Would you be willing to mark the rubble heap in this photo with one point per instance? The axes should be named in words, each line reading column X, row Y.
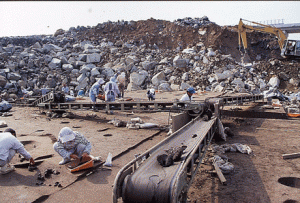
column 161, row 54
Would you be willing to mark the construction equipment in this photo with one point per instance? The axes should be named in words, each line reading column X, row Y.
column 145, row 180
column 289, row 48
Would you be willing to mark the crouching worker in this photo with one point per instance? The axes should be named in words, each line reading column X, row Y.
column 151, row 94
column 9, row 146
column 71, row 145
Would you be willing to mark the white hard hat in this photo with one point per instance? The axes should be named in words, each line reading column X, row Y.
column 66, row 134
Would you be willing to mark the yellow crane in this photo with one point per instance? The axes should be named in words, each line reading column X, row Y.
column 288, row 47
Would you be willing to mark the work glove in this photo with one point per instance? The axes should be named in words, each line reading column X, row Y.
column 31, row 161
column 85, row 155
column 74, row 156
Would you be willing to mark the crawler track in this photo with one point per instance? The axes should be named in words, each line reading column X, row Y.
column 145, row 180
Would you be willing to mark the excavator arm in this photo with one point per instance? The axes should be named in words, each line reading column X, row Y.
column 242, row 28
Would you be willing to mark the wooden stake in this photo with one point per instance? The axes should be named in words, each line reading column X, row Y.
column 220, row 174
column 291, row 156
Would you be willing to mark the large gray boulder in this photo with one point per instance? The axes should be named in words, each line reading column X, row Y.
column 37, row 45
column 184, row 86
column 13, row 76
column 185, row 76
column 95, row 72
column 189, row 51
column 108, row 72
column 24, row 54
column 120, row 67
column 238, row 82
column 67, row 67
column 75, row 71
column 55, row 63
column 137, row 79
column 227, row 74
column 156, row 80
column 82, row 57
column 148, row 65
column 64, row 60
column 179, row 62
column 49, row 47
column 81, row 77
column 175, row 87
column 84, row 83
column 10, row 48
column 165, row 87
column 12, row 66
column 87, row 68
column 113, row 50
column 93, row 58
column 74, row 83
column 47, row 58
column 3, row 81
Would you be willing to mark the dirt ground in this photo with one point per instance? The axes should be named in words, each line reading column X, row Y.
column 254, row 179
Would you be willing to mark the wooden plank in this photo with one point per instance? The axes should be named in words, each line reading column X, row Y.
column 291, row 156
column 220, row 174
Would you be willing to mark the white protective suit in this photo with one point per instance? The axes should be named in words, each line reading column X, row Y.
column 186, row 97
column 9, row 145
column 111, row 90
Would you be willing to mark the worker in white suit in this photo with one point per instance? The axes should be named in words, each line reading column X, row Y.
column 111, row 90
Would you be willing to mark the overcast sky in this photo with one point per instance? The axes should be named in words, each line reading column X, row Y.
column 22, row 18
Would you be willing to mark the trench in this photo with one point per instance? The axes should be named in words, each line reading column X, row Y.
column 290, row 181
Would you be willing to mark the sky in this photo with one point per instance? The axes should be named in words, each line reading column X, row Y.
column 23, row 18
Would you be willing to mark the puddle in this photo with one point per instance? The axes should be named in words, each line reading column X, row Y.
column 290, row 201
column 100, row 130
column 290, row 181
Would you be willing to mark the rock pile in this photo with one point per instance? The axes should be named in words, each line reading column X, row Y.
column 153, row 53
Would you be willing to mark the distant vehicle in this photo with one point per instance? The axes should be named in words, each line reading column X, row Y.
column 289, row 48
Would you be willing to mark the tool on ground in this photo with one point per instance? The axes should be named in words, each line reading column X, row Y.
column 37, row 161
column 82, row 163
column 25, row 165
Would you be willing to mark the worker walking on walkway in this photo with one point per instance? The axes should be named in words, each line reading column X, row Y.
column 111, row 90
column 9, row 146
column 71, row 145
column 189, row 95
column 94, row 91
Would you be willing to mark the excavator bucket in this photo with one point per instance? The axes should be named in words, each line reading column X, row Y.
column 245, row 58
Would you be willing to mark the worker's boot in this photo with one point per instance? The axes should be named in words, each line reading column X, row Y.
column 64, row 161
column 94, row 108
column 6, row 169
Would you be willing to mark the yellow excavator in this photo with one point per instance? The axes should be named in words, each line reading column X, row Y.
column 289, row 48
